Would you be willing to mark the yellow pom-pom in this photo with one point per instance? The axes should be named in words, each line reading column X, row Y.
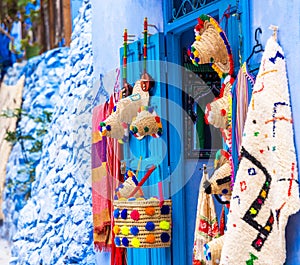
column 129, row 173
column 135, row 242
column 150, row 238
column 198, row 38
column 116, row 229
column 125, row 230
column 196, row 53
column 164, row 225
column 153, row 199
column 150, row 210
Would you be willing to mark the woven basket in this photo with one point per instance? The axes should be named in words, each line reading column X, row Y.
column 138, row 216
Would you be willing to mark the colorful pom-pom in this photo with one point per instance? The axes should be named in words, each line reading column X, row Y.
column 150, row 238
column 102, row 124
column 223, row 112
column 150, row 226
column 198, row 38
column 117, row 241
column 135, row 242
column 157, row 119
column 108, row 127
column 165, row 209
column 165, row 237
column 125, row 241
column 150, row 210
column 116, row 229
column 116, row 213
column 134, row 230
column 124, row 214
column 135, row 215
column 164, row 225
column 146, row 129
column 125, row 230
column 197, row 60
column 150, row 109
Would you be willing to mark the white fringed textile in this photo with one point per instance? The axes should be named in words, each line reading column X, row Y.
column 266, row 190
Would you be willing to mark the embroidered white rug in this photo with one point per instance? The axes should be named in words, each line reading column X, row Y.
column 266, row 190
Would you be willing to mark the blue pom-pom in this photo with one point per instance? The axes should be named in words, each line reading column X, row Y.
column 108, row 127
column 132, row 199
column 165, row 237
column 165, row 209
column 116, row 213
column 117, row 241
column 150, row 226
column 116, row 197
column 150, row 109
column 124, row 214
column 197, row 60
column 125, row 241
column 134, row 230
column 115, row 108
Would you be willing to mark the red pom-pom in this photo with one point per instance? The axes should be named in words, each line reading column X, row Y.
column 189, row 52
column 135, row 215
column 157, row 119
column 223, row 112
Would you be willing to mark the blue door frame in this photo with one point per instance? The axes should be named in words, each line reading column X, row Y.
column 184, row 204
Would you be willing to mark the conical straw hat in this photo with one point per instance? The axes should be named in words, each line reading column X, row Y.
column 211, row 46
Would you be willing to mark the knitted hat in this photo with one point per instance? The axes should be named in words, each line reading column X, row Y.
column 266, row 189
column 211, row 46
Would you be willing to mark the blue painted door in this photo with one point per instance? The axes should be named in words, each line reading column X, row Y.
column 152, row 150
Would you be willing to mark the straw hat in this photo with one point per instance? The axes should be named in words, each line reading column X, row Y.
column 216, row 112
column 115, row 126
column 129, row 106
column 146, row 123
column 211, row 46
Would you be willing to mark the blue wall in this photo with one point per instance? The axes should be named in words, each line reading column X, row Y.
column 285, row 15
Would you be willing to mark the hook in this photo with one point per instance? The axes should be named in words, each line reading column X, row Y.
column 256, row 34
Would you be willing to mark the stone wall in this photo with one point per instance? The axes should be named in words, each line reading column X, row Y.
column 55, row 226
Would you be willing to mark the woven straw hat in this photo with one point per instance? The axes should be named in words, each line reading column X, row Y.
column 211, row 46
column 146, row 123
column 112, row 127
column 216, row 112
